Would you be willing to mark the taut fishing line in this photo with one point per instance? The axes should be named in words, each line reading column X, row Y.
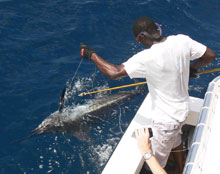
column 77, row 69
column 62, row 98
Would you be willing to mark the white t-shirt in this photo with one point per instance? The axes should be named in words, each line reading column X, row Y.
column 166, row 68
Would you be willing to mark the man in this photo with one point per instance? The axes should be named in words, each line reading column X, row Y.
column 166, row 66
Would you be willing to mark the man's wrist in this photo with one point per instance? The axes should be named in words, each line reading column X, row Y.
column 93, row 55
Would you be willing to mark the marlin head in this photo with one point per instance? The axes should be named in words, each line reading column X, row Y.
column 62, row 123
column 50, row 125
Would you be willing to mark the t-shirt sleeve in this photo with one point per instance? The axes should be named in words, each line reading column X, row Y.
column 135, row 66
column 196, row 49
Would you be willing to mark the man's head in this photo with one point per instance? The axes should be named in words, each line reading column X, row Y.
column 145, row 27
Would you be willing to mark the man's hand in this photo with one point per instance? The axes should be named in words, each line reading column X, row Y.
column 86, row 51
column 143, row 140
column 207, row 58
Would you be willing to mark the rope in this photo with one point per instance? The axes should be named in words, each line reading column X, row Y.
column 185, row 149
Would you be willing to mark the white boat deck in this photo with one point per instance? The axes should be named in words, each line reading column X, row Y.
column 126, row 157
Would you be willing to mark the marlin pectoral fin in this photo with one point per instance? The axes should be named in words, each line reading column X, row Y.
column 82, row 135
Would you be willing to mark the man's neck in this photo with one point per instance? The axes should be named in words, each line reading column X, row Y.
column 162, row 40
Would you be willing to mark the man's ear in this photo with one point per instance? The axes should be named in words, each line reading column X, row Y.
column 142, row 37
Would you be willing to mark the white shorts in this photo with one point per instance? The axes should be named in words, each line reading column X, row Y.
column 166, row 136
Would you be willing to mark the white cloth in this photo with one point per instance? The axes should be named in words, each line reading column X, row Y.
column 165, row 138
column 166, row 68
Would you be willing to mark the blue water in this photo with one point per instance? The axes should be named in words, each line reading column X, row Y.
column 39, row 54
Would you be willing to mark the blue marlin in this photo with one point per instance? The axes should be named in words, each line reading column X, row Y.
column 79, row 120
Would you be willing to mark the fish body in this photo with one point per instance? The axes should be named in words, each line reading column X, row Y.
column 77, row 121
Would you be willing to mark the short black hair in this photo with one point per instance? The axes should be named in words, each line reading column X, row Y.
column 144, row 24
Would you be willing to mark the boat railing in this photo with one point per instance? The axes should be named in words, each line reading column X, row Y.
column 198, row 147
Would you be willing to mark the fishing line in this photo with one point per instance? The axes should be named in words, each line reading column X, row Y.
column 62, row 98
column 119, row 118
column 77, row 69
column 93, row 77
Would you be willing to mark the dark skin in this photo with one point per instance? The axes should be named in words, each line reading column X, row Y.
column 118, row 71
column 207, row 58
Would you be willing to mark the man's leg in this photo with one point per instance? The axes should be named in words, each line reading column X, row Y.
column 178, row 157
column 163, row 140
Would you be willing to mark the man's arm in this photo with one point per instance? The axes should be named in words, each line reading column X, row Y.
column 110, row 70
column 207, row 58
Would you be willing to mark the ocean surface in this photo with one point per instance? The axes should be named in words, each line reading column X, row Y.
column 40, row 55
